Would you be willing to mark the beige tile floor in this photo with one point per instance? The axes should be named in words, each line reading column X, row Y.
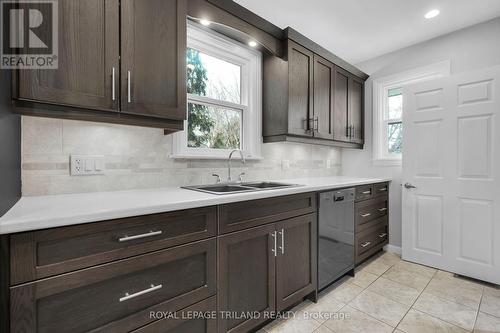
column 392, row 295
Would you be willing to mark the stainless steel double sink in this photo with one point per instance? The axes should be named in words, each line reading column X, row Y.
column 228, row 188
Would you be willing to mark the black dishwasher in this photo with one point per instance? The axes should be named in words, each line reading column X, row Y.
column 335, row 236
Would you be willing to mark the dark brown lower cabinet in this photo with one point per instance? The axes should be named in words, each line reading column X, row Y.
column 266, row 269
column 296, row 268
column 246, row 277
column 197, row 318
column 119, row 296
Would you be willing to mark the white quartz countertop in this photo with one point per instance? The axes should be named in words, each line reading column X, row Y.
column 34, row 213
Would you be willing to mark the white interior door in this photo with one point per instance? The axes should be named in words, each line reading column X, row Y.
column 451, row 219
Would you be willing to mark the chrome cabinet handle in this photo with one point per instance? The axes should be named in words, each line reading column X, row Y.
column 275, row 243
column 382, row 235
column 365, row 244
column 383, row 189
column 149, row 234
column 282, row 235
column 366, row 215
column 129, row 90
column 143, row 292
column 366, row 192
column 409, row 186
column 382, row 209
column 113, row 84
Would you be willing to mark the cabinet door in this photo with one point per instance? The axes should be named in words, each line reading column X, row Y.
column 324, row 90
column 88, row 53
column 246, row 276
column 356, row 110
column 341, row 125
column 153, row 53
column 296, row 263
column 300, row 108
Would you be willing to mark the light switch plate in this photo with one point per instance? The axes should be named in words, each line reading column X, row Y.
column 87, row 165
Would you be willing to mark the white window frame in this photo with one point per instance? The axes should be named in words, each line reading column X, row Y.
column 250, row 61
column 381, row 87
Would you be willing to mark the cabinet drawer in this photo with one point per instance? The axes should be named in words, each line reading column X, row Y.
column 371, row 238
column 380, row 189
column 116, row 297
column 243, row 215
column 184, row 321
column 45, row 253
column 370, row 210
column 364, row 192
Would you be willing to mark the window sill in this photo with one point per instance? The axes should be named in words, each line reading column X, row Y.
column 387, row 162
column 206, row 157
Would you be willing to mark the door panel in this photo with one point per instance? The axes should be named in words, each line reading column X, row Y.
column 300, row 113
column 324, row 90
column 356, row 110
column 451, row 219
column 154, row 58
column 246, row 276
column 88, row 52
column 341, row 105
column 296, row 261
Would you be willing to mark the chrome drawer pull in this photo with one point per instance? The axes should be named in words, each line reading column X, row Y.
column 383, row 189
column 382, row 235
column 365, row 244
column 149, row 234
column 147, row 291
column 366, row 215
column 382, row 209
column 366, row 192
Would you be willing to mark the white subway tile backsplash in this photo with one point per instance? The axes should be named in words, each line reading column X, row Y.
column 137, row 158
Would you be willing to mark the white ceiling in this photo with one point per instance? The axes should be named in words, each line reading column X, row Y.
column 358, row 30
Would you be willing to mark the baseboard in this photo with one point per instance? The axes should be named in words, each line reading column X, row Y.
column 392, row 249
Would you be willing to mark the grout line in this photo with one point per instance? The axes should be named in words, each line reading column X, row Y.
column 478, row 310
column 416, row 299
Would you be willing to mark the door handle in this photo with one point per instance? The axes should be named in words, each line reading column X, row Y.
column 129, row 89
column 282, row 235
column 409, row 186
column 273, row 235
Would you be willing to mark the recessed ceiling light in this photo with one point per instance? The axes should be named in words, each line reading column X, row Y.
column 252, row 43
column 205, row 22
column 432, row 13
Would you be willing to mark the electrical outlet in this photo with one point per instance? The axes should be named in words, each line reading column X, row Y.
column 86, row 165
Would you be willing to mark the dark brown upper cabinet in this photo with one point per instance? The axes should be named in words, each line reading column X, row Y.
column 310, row 99
column 153, row 50
column 119, row 62
column 324, row 92
column 300, row 86
column 88, row 55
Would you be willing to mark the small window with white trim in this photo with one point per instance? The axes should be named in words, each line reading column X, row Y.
column 224, row 92
column 394, row 122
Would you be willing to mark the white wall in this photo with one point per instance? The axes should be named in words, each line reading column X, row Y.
column 467, row 49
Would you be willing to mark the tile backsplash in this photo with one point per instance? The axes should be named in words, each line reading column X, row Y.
column 137, row 158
